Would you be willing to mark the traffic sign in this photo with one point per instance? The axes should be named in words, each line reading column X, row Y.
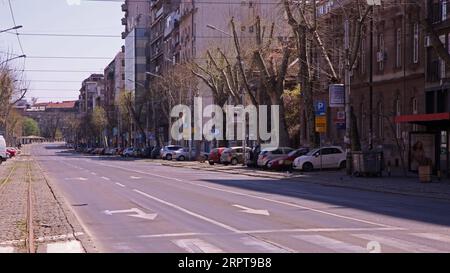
column 320, row 108
column 321, row 124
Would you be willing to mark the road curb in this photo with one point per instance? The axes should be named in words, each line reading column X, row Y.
column 323, row 183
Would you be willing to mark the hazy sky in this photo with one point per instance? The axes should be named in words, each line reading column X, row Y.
column 61, row 17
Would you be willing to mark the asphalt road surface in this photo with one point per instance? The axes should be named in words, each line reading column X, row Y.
column 140, row 206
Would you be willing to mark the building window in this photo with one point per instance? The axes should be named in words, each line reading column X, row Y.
column 415, row 48
column 250, row 29
column 361, row 120
column 398, row 48
column 363, row 56
column 380, row 120
column 442, row 68
column 380, row 53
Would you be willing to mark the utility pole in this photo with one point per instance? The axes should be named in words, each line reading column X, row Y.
column 347, row 137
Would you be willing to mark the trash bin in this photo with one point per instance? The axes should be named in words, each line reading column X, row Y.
column 367, row 163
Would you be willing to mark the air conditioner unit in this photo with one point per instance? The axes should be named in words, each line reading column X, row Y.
column 380, row 56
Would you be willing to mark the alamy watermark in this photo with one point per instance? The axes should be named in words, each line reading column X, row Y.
column 249, row 121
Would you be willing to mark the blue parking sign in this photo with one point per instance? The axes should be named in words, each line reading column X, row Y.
column 320, row 107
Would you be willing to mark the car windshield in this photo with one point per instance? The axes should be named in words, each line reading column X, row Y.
column 312, row 152
column 294, row 152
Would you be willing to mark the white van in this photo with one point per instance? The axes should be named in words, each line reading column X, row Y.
column 2, row 149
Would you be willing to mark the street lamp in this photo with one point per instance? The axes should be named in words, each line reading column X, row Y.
column 219, row 30
column 13, row 28
column 17, row 57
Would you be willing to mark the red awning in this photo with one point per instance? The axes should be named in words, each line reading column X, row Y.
column 423, row 118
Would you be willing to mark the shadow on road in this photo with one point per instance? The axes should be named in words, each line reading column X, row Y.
column 394, row 205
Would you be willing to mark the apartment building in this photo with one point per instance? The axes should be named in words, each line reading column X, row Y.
column 92, row 93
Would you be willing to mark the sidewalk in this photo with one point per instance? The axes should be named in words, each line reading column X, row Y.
column 396, row 183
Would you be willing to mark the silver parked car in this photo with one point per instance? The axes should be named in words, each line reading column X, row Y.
column 168, row 152
column 183, row 154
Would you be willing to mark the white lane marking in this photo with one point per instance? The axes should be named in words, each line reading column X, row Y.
column 7, row 249
column 172, row 235
column 260, row 197
column 315, row 230
column 105, row 178
column 204, row 218
column 120, row 185
column 152, row 174
column 264, row 246
column 252, row 211
column 197, row 246
column 433, row 236
column 263, row 231
column 397, row 243
column 135, row 177
column 330, row 243
column 77, row 178
column 138, row 213
column 65, row 247
column 93, row 173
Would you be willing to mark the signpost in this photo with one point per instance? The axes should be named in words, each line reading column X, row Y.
column 337, row 95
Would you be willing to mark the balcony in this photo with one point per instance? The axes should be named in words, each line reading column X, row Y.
column 124, row 7
column 124, row 21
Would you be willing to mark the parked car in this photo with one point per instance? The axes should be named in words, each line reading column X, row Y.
column 215, row 154
column 3, row 154
column 271, row 153
column 325, row 157
column 233, row 155
column 183, row 154
column 155, row 153
column 128, row 152
column 168, row 152
column 285, row 162
column 11, row 151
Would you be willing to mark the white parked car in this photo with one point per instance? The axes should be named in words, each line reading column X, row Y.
column 325, row 157
column 3, row 154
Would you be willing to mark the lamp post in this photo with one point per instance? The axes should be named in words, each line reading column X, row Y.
column 13, row 28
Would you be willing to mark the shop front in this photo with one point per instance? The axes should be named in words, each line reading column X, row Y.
column 431, row 145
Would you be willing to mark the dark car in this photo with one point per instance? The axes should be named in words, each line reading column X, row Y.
column 285, row 162
column 215, row 154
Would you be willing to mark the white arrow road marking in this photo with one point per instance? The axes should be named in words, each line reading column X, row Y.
column 253, row 211
column 204, row 218
column 105, row 178
column 93, row 173
column 139, row 213
column 135, row 177
column 120, row 185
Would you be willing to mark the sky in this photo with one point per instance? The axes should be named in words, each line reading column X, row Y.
column 60, row 17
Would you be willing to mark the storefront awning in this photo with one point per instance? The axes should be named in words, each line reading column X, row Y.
column 435, row 119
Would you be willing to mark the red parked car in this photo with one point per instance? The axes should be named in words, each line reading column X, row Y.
column 11, row 152
column 285, row 162
column 215, row 154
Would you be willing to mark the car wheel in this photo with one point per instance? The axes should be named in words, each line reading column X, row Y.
column 169, row 157
column 211, row 162
column 307, row 167
column 234, row 161
column 343, row 165
column 181, row 158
